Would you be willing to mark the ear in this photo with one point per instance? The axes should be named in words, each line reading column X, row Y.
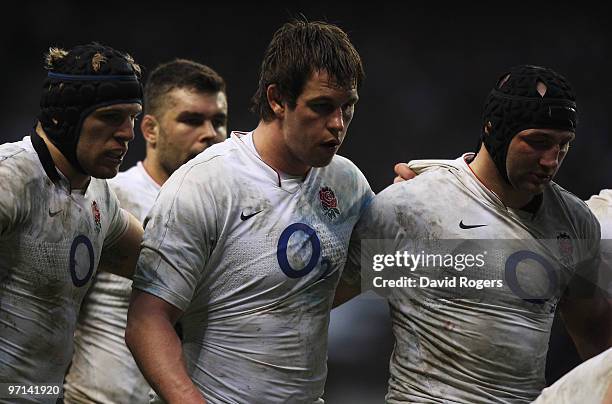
column 275, row 100
column 150, row 129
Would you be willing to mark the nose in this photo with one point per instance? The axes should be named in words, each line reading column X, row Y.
column 551, row 158
column 126, row 130
column 336, row 121
column 207, row 133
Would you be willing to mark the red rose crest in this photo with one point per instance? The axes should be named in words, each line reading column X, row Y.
column 329, row 202
column 96, row 215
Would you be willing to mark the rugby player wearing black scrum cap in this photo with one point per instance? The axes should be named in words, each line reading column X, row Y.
column 57, row 211
column 491, row 346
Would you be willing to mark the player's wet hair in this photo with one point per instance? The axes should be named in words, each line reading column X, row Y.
column 297, row 50
column 79, row 81
column 526, row 97
column 179, row 73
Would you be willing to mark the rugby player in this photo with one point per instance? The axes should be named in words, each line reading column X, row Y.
column 57, row 212
column 493, row 348
column 246, row 242
column 185, row 112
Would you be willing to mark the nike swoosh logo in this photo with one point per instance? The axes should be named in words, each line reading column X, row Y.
column 244, row 217
column 54, row 213
column 470, row 226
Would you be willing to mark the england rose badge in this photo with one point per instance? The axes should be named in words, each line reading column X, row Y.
column 329, row 202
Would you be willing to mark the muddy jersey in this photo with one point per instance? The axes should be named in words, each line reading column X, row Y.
column 103, row 369
column 588, row 383
column 462, row 344
column 601, row 206
column 50, row 244
column 252, row 258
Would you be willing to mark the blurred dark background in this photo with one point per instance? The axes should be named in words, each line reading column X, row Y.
column 429, row 67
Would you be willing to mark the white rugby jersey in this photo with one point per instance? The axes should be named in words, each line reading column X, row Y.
column 253, row 260
column 103, row 369
column 601, row 206
column 588, row 383
column 488, row 346
column 50, row 244
column 592, row 380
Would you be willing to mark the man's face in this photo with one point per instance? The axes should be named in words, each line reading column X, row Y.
column 314, row 130
column 534, row 156
column 104, row 139
column 190, row 122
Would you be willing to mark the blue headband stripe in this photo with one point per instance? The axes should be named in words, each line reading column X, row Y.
column 91, row 77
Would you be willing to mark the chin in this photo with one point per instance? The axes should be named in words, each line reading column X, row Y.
column 105, row 173
column 322, row 161
column 535, row 189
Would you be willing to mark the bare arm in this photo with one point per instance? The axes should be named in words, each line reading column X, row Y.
column 151, row 338
column 121, row 258
column 589, row 322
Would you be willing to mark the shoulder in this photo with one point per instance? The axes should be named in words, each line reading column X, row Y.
column 206, row 169
column 212, row 161
column 125, row 178
column 19, row 166
column 201, row 181
column 10, row 151
column 601, row 206
column 425, row 188
column 134, row 188
column 343, row 170
column 18, row 155
column 342, row 163
column 601, row 202
column 573, row 203
column 575, row 207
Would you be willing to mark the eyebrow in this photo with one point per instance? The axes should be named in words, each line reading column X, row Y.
column 198, row 115
column 352, row 99
column 115, row 109
column 189, row 115
column 539, row 134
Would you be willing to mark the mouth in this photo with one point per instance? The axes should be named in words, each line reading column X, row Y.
column 116, row 156
column 331, row 144
column 542, row 178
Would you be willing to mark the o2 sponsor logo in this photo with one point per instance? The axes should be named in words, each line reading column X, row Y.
column 81, row 245
column 315, row 255
column 512, row 279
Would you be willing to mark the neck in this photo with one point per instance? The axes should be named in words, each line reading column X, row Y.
column 77, row 179
column 272, row 147
column 486, row 171
column 153, row 167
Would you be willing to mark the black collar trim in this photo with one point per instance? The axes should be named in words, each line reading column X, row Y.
column 45, row 157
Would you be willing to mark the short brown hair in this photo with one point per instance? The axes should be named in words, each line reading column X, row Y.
column 296, row 51
column 179, row 73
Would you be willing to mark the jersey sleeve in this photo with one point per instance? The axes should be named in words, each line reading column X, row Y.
column 13, row 195
column 592, row 270
column 119, row 220
column 180, row 233
column 602, row 209
column 378, row 231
